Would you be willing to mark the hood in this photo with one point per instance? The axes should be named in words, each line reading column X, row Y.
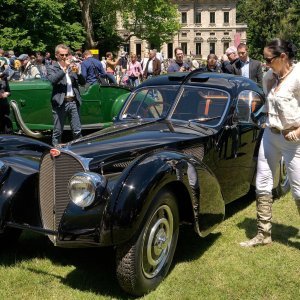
column 131, row 139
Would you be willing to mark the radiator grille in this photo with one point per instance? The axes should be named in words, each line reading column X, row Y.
column 55, row 174
column 197, row 151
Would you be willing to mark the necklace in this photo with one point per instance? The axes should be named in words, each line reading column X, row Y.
column 286, row 74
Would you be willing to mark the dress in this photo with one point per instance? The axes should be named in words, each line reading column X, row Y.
column 65, row 100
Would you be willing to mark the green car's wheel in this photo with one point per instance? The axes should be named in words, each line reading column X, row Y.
column 143, row 263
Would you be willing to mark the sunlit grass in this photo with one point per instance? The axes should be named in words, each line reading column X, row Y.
column 211, row 268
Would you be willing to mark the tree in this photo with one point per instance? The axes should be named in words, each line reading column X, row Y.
column 290, row 25
column 34, row 25
column 153, row 20
column 263, row 18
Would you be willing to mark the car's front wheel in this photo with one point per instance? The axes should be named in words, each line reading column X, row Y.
column 143, row 263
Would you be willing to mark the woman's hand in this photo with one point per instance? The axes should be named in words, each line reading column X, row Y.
column 292, row 136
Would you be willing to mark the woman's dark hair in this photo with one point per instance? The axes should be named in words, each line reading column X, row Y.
column 278, row 46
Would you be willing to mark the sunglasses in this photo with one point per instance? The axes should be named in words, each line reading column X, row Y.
column 63, row 55
column 269, row 59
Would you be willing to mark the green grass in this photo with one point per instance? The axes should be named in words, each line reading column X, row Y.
column 211, row 268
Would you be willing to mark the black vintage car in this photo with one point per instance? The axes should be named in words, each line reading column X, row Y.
column 182, row 147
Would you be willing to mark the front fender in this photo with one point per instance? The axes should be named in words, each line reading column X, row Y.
column 149, row 175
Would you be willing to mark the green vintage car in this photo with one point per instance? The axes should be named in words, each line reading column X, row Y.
column 31, row 111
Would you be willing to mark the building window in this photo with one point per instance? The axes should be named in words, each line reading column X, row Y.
column 183, row 18
column 212, row 33
column 198, row 33
column 226, row 16
column 184, row 34
column 138, row 49
column 184, row 48
column 212, row 17
column 198, row 17
column 212, row 48
column 170, row 50
column 226, row 45
column 198, row 48
column 226, row 33
column 126, row 48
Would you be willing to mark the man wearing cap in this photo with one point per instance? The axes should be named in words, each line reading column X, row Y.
column 246, row 66
column 66, row 98
column 28, row 69
column 231, row 53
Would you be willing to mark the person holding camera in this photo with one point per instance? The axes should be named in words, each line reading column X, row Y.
column 178, row 65
column 66, row 99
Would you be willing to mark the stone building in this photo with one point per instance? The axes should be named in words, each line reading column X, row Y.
column 207, row 26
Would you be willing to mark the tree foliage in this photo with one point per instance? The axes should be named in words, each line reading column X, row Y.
column 153, row 20
column 40, row 25
column 268, row 19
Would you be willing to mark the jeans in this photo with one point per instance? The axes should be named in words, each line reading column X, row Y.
column 273, row 147
column 68, row 109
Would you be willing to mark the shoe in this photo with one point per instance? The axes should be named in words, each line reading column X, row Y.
column 258, row 240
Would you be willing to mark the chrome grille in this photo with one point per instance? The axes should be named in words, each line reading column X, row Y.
column 55, row 174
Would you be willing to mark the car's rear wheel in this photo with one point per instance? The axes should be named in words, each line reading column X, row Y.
column 143, row 263
column 284, row 183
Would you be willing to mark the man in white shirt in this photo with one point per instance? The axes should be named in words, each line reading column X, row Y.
column 246, row 66
column 66, row 99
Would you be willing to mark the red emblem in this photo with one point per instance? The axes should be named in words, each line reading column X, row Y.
column 54, row 152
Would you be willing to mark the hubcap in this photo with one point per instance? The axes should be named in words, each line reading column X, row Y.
column 157, row 240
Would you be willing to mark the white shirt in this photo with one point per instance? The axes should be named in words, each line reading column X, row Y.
column 283, row 103
column 245, row 68
column 150, row 66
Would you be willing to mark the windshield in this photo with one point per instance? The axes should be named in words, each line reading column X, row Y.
column 201, row 105
column 150, row 102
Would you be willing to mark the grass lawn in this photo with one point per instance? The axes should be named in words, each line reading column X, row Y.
column 211, row 268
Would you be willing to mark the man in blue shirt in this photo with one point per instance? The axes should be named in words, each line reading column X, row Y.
column 178, row 65
column 91, row 68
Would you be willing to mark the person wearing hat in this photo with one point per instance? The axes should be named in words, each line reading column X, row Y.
column 28, row 69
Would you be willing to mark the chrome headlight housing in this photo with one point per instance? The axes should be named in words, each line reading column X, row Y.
column 84, row 187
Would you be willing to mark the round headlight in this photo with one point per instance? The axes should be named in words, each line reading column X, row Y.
column 83, row 188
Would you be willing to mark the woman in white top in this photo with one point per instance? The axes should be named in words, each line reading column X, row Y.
column 282, row 133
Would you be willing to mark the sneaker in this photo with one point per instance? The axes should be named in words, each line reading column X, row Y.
column 258, row 240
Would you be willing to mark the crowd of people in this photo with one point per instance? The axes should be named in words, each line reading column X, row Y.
column 131, row 69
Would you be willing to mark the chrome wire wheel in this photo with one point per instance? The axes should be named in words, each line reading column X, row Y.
column 157, row 240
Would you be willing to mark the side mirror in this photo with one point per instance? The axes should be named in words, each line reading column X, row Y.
column 250, row 108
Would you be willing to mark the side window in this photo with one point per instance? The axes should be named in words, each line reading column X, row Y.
column 150, row 102
column 248, row 102
column 204, row 105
